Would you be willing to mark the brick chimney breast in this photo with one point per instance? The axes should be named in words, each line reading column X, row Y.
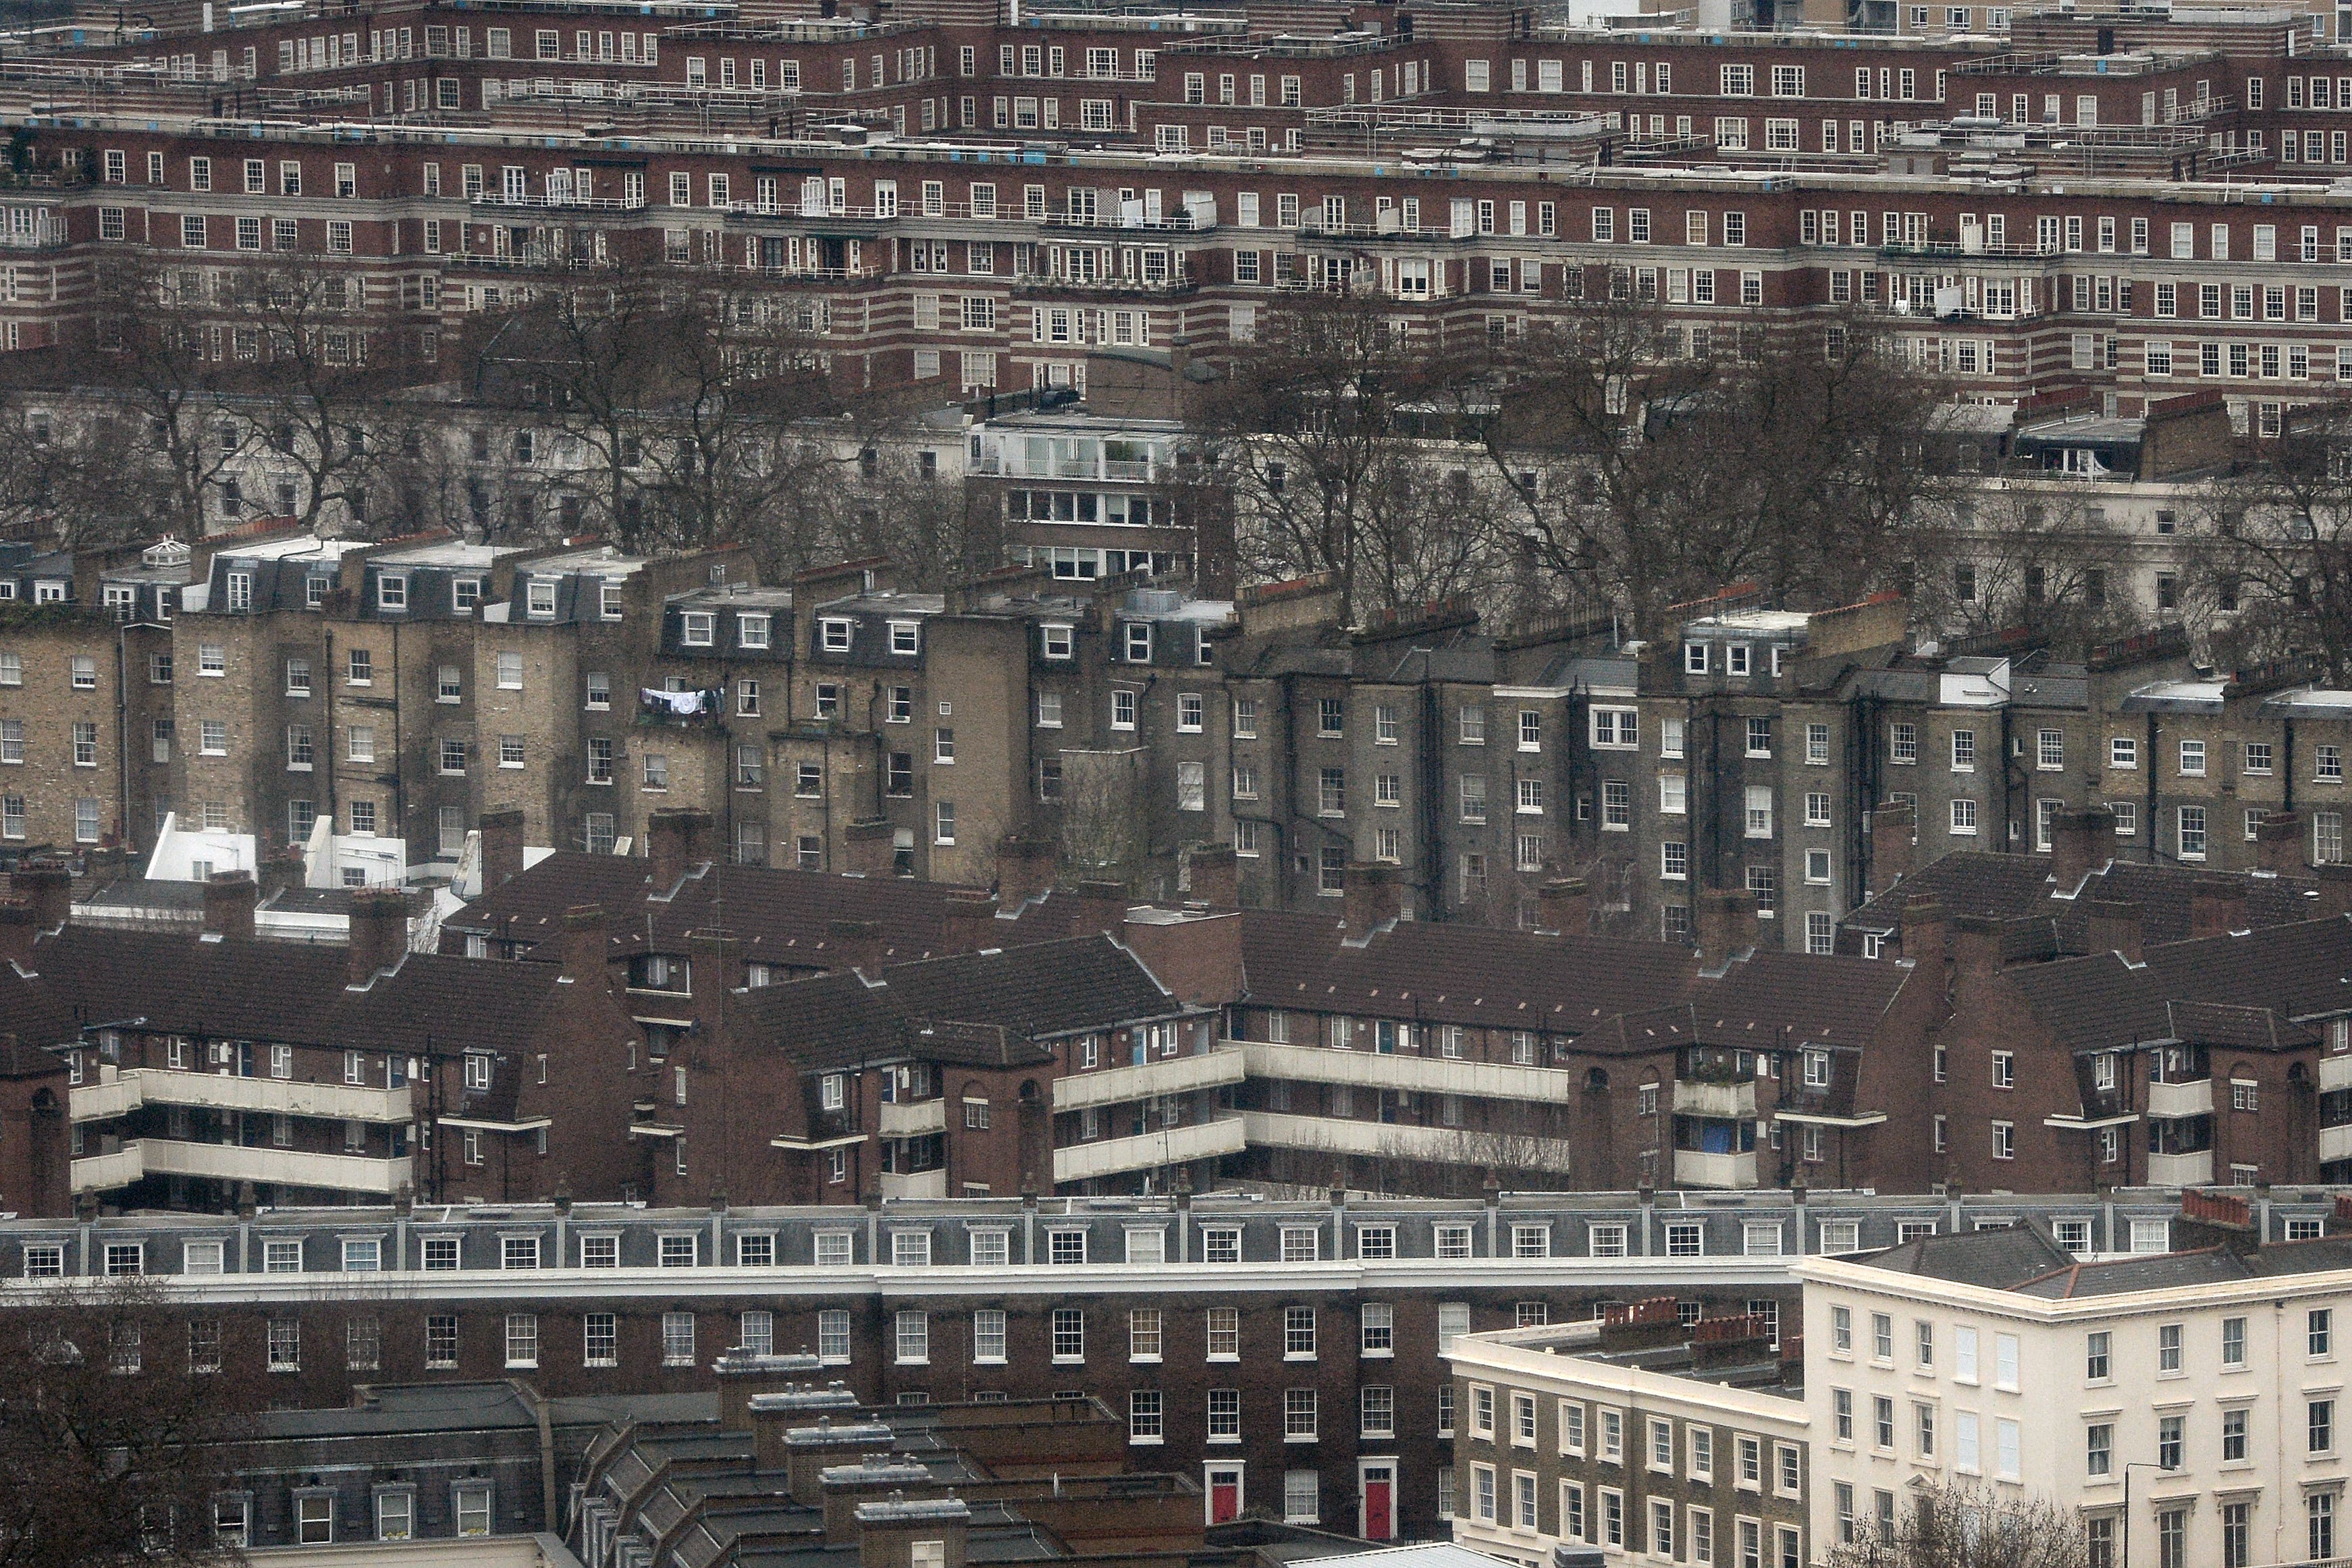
column 230, row 899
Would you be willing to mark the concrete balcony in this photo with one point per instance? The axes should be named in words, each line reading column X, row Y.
column 1415, row 1071
column 913, row 1119
column 120, row 1096
column 1150, row 1151
column 2171, row 1100
column 1723, row 1101
column 2334, row 1072
column 2336, row 1142
column 1402, row 1141
column 1693, row 1168
column 920, row 1184
column 231, row 1162
column 1150, row 1080
column 2180, row 1170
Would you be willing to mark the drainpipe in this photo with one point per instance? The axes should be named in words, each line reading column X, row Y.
column 530, row 1396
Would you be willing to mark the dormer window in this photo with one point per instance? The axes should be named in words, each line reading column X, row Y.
column 314, row 590
column 1137, row 636
column 239, row 585
column 906, row 637
column 751, row 631
column 391, row 593
column 1694, row 658
column 1737, row 660
column 539, row 598
column 833, row 635
column 48, row 590
column 696, row 628
column 608, row 602
column 465, row 594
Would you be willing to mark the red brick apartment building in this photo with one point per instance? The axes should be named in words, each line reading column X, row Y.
column 1058, row 1040
column 952, row 196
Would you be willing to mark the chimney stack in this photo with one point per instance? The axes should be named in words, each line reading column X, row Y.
column 2217, row 907
column 1216, row 876
column 1922, row 931
column 2216, row 1219
column 46, row 887
column 2113, row 927
column 1564, row 906
column 2335, row 899
column 1025, row 868
column 230, row 897
column 1727, row 925
column 676, row 841
column 1374, row 898
column 968, row 924
column 379, row 932
column 2080, row 843
column 870, row 847
column 586, row 944
column 2278, row 843
column 1894, row 831
column 501, row 834
column 1100, row 905
column 854, row 945
column 17, row 930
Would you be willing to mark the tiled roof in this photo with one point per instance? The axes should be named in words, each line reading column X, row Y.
column 2178, row 1271
column 985, row 1006
column 780, row 917
column 1629, row 996
column 2018, row 887
column 2101, row 1002
column 1998, row 1260
column 287, row 992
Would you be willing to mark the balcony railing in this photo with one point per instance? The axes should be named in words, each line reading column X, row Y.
column 2180, row 1170
column 915, row 1184
column 1407, row 1140
column 1424, row 1075
column 234, row 1162
column 1735, row 1101
column 1693, row 1168
column 2336, row 1142
column 2194, row 1098
column 151, row 1086
column 1150, row 1151
column 1150, row 1080
column 913, row 1118
column 2334, row 1072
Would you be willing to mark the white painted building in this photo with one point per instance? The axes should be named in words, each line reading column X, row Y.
column 2188, row 1406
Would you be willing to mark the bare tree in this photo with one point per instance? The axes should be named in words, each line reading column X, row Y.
column 1338, row 445
column 1653, row 462
column 2045, row 560
column 108, row 1437
column 688, row 398
column 1970, row 1527
column 2281, row 532
column 1104, row 832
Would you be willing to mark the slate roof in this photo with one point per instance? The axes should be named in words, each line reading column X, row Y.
column 2180, row 1271
column 1617, row 995
column 2101, row 1002
column 987, row 1008
column 780, row 917
column 288, row 992
column 2019, row 887
column 1998, row 1260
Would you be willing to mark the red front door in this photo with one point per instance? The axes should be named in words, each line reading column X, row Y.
column 1224, row 1496
column 1380, row 1512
